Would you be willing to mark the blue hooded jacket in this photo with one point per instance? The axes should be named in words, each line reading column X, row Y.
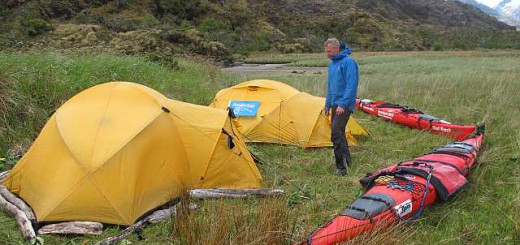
column 342, row 81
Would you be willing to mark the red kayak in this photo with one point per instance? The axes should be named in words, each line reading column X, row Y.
column 414, row 118
column 402, row 191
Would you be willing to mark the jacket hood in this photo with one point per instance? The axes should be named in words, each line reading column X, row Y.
column 342, row 54
column 344, row 47
column 347, row 51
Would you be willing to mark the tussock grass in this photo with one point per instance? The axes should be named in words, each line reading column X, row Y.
column 264, row 221
column 33, row 86
column 462, row 87
column 391, row 234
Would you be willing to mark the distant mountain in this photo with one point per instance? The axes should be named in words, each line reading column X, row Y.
column 507, row 11
column 482, row 7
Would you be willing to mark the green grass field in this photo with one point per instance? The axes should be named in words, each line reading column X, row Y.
column 462, row 87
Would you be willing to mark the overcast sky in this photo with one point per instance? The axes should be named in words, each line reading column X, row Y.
column 490, row 3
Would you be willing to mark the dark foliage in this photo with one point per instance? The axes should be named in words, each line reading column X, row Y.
column 34, row 27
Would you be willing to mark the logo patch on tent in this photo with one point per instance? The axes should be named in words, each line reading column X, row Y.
column 242, row 108
column 404, row 208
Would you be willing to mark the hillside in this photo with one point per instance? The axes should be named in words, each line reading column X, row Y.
column 220, row 28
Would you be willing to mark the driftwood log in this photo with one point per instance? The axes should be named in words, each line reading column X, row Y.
column 3, row 175
column 126, row 232
column 22, row 220
column 155, row 217
column 73, row 228
column 162, row 214
column 222, row 193
column 96, row 228
column 19, row 203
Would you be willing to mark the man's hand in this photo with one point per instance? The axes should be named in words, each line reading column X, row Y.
column 339, row 111
column 326, row 112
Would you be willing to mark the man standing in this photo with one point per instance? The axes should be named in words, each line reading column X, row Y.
column 341, row 98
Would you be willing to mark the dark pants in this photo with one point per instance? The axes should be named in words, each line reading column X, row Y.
column 339, row 141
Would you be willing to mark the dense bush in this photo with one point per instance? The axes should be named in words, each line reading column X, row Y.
column 164, row 59
column 34, row 27
column 196, row 42
column 211, row 25
column 120, row 24
column 179, row 9
column 437, row 47
column 299, row 45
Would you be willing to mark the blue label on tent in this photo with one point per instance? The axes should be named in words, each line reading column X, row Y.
column 242, row 108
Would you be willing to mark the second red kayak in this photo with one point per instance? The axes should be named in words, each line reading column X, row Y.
column 411, row 117
column 402, row 191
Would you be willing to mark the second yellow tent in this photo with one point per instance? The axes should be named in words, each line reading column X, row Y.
column 285, row 115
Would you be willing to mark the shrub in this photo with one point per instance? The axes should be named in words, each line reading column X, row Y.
column 121, row 24
column 291, row 48
column 88, row 17
column 186, row 25
column 34, row 27
column 437, row 47
column 212, row 25
column 174, row 36
column 180, row 9
column 217, row 50
column 165, row 59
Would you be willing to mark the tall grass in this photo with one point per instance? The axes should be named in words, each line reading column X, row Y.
column 464, row 87
column 263, row 221
column 33, row 86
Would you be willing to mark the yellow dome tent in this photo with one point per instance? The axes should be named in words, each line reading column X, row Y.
column 285, row 115
column 118, row 150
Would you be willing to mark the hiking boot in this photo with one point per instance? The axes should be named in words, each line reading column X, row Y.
column 341, row 172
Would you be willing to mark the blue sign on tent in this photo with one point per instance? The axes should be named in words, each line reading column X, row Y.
column 242, row 108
